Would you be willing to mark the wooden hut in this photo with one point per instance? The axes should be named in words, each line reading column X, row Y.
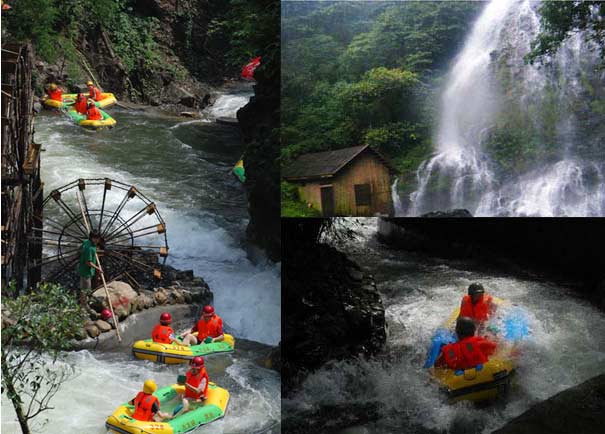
column 347, row 182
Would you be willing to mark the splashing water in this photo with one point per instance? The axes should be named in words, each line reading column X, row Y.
column 566, row 345
column 489, row 84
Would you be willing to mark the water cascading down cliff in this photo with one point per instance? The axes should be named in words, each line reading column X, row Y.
column 516, row 139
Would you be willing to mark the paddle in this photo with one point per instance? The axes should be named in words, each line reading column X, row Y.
column 115, row 318
column 181, row 379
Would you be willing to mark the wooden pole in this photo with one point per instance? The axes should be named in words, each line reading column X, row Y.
column 102, row 275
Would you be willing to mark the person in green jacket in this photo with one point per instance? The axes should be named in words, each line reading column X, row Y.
column 88, row 265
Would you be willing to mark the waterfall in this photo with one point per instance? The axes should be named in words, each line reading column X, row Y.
column 492, row 98
column 397, row 207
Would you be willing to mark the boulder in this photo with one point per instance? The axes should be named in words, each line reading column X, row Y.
column 92, row 330
column 103, row 326
column 161, row 297
column 339, row 305
column 121, row 295
column 142, row 301
column 579, row 409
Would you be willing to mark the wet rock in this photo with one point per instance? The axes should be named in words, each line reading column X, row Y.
column 273, row 360
column 142, row 301
column 453, row 213
column 194, row 115
column 579, row 410
column 102, row 325
column 160, row 297
column 92, row 330
column 339, row 305
column 121, row 295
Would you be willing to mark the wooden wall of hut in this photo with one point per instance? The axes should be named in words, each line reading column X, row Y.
column 21, row 185
column 364, row 169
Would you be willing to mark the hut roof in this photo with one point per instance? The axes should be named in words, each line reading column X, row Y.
column 326, row 164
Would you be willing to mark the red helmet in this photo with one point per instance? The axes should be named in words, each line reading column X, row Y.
column 208, row 309
column 197, row 362
column 105, row 314
column 165, row 318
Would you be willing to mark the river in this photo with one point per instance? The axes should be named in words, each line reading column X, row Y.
column 184, row 166
column 566, row 346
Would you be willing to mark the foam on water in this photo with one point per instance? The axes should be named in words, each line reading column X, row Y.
column 566, row 345
column 102, row 382
column 247, row 292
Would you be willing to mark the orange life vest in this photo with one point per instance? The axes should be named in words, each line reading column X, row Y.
column 93, row 114
column 56, row 95
column 479, row 311
column 468, row 352
column 143, row 406
column 212, row 328
column 195, row 381
column 80, row 104
column 161, row 334
column 95, row 93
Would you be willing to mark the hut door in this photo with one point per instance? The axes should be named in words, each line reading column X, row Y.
column 327, row 201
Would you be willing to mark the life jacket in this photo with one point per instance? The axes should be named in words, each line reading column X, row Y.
column 93, row 114
column 196, row 380
column 56, row 95
column 81, row 104
column 161, row 334
column 468, row 352
column 143, row 405
column 212, row 328
column 479, row 311
column 95, row 93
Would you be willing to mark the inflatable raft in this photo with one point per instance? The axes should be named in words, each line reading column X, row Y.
column 213, row 408
column 239, row 171
column 483, row 382
column 80, row 119
column 108, row 99
column 174, row 353
column 53, row 104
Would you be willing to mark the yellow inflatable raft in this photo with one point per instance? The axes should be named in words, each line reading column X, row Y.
column 213, row 408
column 51, row 103
column 108, row 99
column 174, row 353
column 484, row 382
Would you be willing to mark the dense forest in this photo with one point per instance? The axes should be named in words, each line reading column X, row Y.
column 138, row 47
column 374, row 72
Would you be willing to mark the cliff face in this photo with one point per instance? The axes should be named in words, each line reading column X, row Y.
column 331, row 311
column 579, row 409
column 259, row 121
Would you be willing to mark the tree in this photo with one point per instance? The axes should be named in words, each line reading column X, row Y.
column 560, row 19
column 36, row 328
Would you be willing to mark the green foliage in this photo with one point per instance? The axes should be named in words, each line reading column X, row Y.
column 134, row 43
column 291, row 206
column 353, row 74
column 35, row 20
column 393, row 138
column 36, row 327
column 560, row 18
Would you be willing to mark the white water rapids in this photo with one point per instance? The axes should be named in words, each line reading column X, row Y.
column 489, row 81
column 185, row 169
column 565, row 348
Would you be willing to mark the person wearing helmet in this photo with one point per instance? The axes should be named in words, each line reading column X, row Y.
column 146, row 405
column 93, row 91
column 162, row 332
column 93, row 113
column 477, row 304
column 209, row 328
column 469, row 351
column 55, row 92
column 80, row 105
column 88, row 267
column 196, row 383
